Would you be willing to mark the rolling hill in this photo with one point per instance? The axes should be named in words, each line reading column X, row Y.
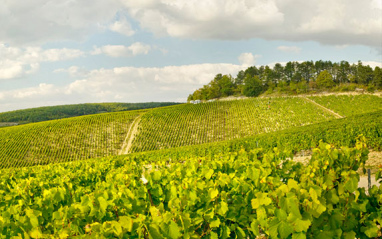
column 111, row 134
column 223, row 170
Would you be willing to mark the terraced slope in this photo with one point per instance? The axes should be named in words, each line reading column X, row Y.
column 64, row 140
column 348, row 105
column 224, row 120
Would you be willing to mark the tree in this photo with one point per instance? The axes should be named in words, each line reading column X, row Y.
column 226, row 86
column 377, row 77
column 252, row 86
column 325, row 80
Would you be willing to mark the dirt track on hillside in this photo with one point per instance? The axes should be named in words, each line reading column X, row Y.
column 125, row 149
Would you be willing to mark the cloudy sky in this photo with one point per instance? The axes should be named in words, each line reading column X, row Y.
column 76, row 51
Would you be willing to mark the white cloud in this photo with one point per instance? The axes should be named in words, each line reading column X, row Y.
column 17, row 62
column 123, row 84
column 135, row 49
column 123, row 27
column 372, row 64
column 248, row 59
column 289, row 49
column 40, row 91
column 330, row 22
column 40, row 21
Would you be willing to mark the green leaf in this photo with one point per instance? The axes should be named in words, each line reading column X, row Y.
column 174, row 231
column 157, row 175
column 292, row 184
column 349, row 235
column 281, row 214
column 223, row 208
column 301, row 225
column 213, row 235
column 261, row 199
column 371, row 230
column 336, row 220
column 332, row 196
column 255, row 228
column 35, row 233
column 154, row 232
column 215, row 223
column 208, row 175
column 126, row 223
column 273, row 228
column 117, row 228
column 299, row 235
column 293, row 203
column 34, row 221
column 352, row 184
column 284, row 229
column 102, row 204
column 213, row 193
column 63, row 234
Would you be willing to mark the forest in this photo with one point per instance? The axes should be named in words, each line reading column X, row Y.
column 66, row 111
column 293, row 78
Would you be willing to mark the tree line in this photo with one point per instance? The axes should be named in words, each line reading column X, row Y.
column 66, row 111
column 293, row 78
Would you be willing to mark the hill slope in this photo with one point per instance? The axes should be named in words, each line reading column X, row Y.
column 173, row 126
column 66, row 111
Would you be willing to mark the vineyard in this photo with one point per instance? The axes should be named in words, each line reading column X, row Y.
column 348, row 105
column 212, row 170
column 108, row 134
column 239, row 194
column 64, row 140
column 339, row 132
column 216, row 121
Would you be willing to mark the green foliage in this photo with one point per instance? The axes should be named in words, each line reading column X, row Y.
column 184, row 125
column 235, row 194
column 191, row 124
column 325, row 80
column 66, row 111
column 252, row 86
column 338, row 132
column 64, row 140
column 377, row 77
column 293, row 78
column 348, row 105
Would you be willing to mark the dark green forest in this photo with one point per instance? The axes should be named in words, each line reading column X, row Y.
column 66, row 111
column 293, row 78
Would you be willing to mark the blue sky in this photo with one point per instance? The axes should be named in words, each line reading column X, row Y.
column 75, row 51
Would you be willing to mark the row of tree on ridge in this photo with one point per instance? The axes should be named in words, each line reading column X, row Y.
column 293, row 78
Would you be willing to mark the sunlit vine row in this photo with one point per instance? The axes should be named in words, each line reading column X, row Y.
column 190, row 124
column 64, row 140
column 238, row 194
column 347, row 105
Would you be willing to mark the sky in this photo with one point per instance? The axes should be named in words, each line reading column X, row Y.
column 55, row 52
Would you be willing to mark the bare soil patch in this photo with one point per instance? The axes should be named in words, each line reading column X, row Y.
column 133, row 130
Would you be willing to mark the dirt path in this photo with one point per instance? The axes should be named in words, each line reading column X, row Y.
column 130, row 136
column 323, row 107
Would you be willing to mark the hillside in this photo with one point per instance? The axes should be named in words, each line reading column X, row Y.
column 237, row 180
column 65, row 111
column 173, row 126
column 237, row 192
column 64, row 140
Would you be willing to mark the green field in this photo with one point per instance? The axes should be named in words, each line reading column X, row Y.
column 348, row 105
column 104, row 134
column 64, row 140
column 224, row 120
column 221, row 169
